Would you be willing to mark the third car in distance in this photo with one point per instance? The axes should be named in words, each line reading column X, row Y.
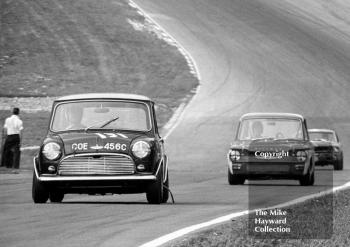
column 328, row 149
column 271, row 146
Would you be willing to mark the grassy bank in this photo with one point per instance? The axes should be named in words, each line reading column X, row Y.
column 235, row 233
column 54, row 48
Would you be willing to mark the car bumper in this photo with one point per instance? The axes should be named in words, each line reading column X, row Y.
column 50, row 178
column 58, row 178
column 275, row 170
column 97, row 184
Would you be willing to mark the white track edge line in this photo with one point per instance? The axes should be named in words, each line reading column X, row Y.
column 180, row 233
column 179, row 113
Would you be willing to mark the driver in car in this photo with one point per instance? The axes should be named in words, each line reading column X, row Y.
column 75, row 117
column 257, row 129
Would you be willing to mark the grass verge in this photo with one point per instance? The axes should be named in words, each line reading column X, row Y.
column 54, row 48
column 62, row 47
column 311, row 219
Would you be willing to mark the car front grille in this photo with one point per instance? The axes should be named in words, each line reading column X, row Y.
column 268, row 169
column 97, row 165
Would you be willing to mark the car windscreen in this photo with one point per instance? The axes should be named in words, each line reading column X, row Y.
column 119, row 115
column 322, row 136
column 270, row 128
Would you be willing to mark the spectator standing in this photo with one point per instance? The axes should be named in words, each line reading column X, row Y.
column 12, row 130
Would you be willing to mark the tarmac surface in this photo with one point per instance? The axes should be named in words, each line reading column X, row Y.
column 260, row 55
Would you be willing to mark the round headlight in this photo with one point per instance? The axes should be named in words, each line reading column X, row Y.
column 51, row 150
column 235, row 155
column 301, row 155
column 141, row 149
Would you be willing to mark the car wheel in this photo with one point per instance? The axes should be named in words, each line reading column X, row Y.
column 166, row 190
column 339, row 165
column 234, row 179
column 39, row 193
column 308, row 179
column 155, row 190
column 56, row 196
column 312, row 180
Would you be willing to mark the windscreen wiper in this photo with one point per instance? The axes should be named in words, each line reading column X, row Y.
column 103, row 125
column 108, row 122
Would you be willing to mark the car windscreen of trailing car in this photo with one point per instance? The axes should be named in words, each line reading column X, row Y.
column 322, row 136
column 86, row 115
column 270, row 128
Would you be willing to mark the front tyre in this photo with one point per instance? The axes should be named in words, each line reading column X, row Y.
column 39, row 193
column 308, row 179
column 234, row 179
column 155, row 190
column 56, row 196
column 166, row 189
column 339, row 165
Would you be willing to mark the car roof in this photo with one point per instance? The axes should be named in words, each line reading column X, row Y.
column 271, row 115
column 123, row 96
column 321, row 130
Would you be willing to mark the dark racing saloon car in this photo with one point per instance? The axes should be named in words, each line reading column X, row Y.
column 271, row 146
column 98, row 144
column 328, row 149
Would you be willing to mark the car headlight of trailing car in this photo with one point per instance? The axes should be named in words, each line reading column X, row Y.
column 301, row 155
column 52, row 151
column 336, row 149
column 234, row 155
column 141, row 149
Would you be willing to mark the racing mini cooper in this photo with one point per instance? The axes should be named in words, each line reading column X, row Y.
column 328, row 149
column 271, row 146
column 98, row 144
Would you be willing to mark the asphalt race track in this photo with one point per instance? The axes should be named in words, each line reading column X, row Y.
column 257, row 55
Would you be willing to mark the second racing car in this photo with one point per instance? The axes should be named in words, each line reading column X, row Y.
column 271, row 146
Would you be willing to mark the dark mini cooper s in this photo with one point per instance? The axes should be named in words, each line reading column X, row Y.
column 328, row 149
column 271, row 146
column 98, row 144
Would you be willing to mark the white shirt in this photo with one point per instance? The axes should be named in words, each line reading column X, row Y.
column 14, row 125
